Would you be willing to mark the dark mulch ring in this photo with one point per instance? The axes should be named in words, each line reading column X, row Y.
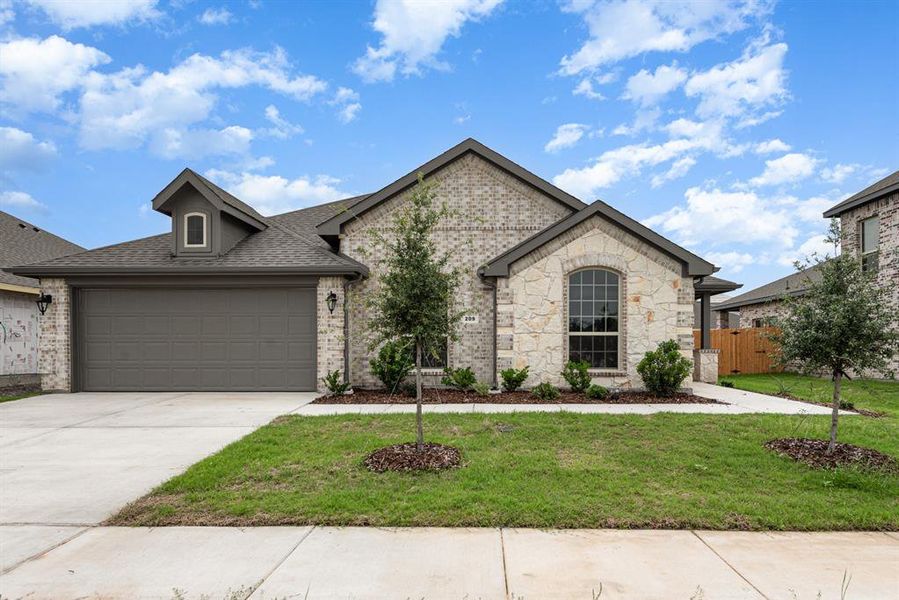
column 862, row 411
column 814, row 454
column 451, row 396
column 407, row 457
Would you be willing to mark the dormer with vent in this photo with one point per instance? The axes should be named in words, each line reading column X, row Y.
column 207, row 221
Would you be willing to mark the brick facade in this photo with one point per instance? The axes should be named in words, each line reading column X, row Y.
column 54, row 354
column 493, row 212
column 330, row 333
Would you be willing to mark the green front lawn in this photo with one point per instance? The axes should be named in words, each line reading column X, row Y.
column 17, row 396
column 870, row 394
column 548, row 470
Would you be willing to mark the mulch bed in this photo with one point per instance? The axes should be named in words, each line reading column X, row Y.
column 862, row 411
column 452, row 396
column 813, row 453
column 19, row 390
column 406, row 457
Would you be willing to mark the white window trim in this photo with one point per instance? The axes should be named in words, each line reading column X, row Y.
column 205, row 229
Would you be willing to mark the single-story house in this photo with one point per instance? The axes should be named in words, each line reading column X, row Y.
column 759, row 307
column 234, row 300
column 22, row 243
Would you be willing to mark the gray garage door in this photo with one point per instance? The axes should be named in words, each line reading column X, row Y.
column 161, row 339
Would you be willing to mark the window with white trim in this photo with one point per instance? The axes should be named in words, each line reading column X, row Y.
column 870, row 233
column 594, row 301
column 195, row 230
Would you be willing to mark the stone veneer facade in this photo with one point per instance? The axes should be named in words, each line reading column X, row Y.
column 493, row 212
column 532, row 303
column 55, row 351
column 887, row 209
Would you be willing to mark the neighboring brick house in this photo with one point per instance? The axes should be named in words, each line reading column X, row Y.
column 20, row 243
column 869, row 221
column 234, row 300
column 760, row 306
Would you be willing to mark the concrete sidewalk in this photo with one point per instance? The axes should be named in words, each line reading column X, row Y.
column 737, row 402
column 457, row 564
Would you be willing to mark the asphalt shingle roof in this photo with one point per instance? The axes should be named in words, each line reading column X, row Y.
column 289, row 243
column 22, row 243
column 793, row 284
column 876, row 190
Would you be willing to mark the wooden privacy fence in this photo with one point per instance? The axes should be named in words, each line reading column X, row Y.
column 742, row 350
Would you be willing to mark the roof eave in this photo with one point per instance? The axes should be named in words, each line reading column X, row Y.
column 847, row 206
column 38, row 272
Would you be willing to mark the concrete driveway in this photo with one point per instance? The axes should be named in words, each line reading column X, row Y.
column 69, row 461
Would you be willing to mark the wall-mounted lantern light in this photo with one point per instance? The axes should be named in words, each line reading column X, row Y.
column 43, row 301
column 331, row 301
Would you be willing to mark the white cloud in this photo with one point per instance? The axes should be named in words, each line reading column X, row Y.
column 585, row 89
column 810, row 210
column 788, row 168
column 622, row 29
column 715, row 217
column 7, row 14
column 20, row 201
column 198, row 143
column 273, row 194
column 216, row 16
column 648, row 88
column 124, row 109
column 678, row 169
column 731, row 262
column 644, row 119
column 462, row 119
column 566, row 136
column 413, row 34
column 69, row 14
column 347, row 102
column 816, row 246
column 838, row 173
column 283, row 129
column 771, row 146
column 755, row 80
column 34, row 73
column 20, row 151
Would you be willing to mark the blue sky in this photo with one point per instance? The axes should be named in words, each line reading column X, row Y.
column 727, row 126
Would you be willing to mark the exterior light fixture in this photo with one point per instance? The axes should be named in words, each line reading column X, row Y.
column 331, row 301
column 43, row 301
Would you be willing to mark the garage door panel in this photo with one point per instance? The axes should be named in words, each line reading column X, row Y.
column 196, row 339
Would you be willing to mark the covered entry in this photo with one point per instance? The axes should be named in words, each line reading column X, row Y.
column 195, row 339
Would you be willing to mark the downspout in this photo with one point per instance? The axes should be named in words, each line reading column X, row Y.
column 492, row 285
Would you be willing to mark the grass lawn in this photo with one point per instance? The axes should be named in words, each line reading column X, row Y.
column 10, row 397
column 871, row 394
column 549, row 470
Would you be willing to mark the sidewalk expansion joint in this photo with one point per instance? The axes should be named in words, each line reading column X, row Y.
column 732, row 568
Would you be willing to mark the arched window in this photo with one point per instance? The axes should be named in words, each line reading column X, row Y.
column 195, row 230
column 593, row 324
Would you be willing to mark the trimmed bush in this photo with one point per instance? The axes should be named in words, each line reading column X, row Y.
column 461, row 379
column 726, row 383
column 546, row 391
column 481, row 389
column 575, row 373
column 597, row 392
column 392, row 365
column 664, row 368
column 335, row 383
column 513, row 378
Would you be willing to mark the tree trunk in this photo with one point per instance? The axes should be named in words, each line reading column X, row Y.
column 420, row 440
column 835, row 413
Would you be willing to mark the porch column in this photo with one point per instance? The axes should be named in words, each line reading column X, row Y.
column 705, row 322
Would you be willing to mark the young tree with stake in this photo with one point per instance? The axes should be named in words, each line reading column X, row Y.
column 842, row 323
column 414, row 301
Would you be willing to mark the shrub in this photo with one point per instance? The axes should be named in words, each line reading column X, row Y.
column 335, row 383
column 726, row 383
column 575, row 373
column 461, row 379
column 664, row 368
column 513, row 378
column 407, row 388
column 392, row 365
column 546, row 391
column 481, row 389
column 597, row 392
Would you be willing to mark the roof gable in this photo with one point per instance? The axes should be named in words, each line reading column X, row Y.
column 875, row 191
column 332, row 227
column 693, row 264
column 215, row 195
